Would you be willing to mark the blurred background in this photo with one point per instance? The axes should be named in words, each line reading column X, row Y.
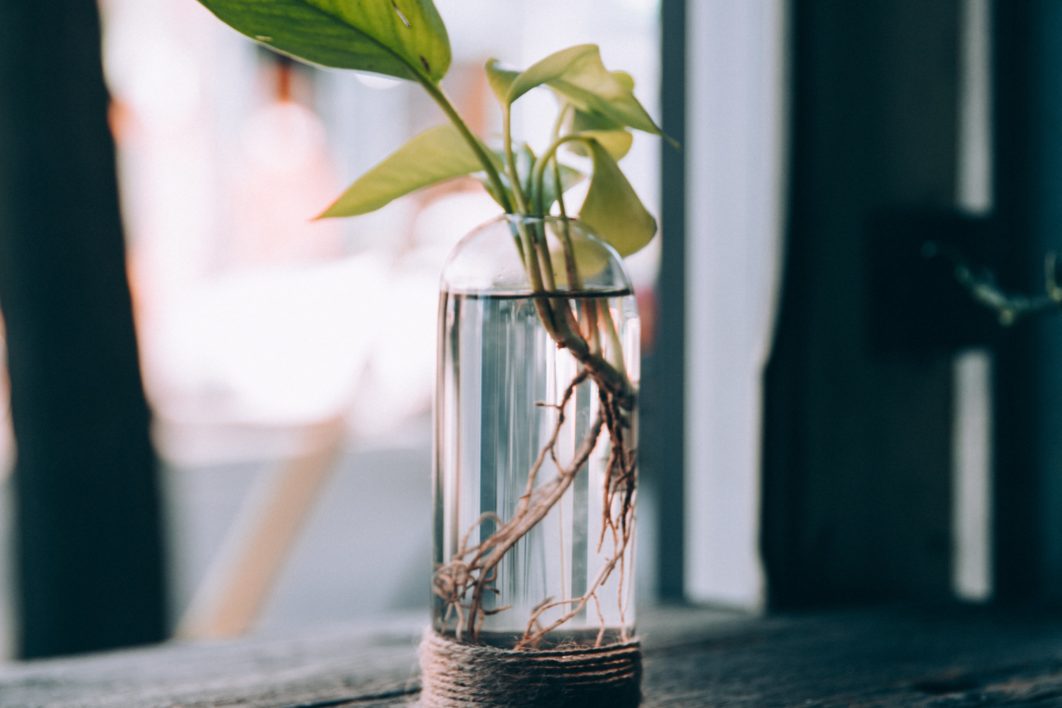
column 827, row 416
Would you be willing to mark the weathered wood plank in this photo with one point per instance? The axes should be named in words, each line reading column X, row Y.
column 693, row 657
column 344, row 666
column 862, row 659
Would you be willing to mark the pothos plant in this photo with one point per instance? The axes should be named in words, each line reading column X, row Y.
column 597, row 112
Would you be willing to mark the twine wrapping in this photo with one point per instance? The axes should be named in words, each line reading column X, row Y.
column 456, row 674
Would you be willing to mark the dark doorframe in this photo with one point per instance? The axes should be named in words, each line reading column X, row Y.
column 664, row 387
column 1028, row 379
column 88, row 526
column 857, row 443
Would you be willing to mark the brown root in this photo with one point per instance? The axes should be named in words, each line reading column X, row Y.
column 461, row 583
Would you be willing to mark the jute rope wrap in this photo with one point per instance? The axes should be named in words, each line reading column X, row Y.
column 455, row 674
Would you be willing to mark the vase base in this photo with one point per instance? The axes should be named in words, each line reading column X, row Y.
column 458, row 674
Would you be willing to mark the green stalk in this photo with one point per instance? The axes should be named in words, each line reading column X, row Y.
column 558, row 124
column 477, row 147
column 538, row 174
column 615, row 377
column 613, row 338
column 574, row 280
column 558, row 186
column 510, row 159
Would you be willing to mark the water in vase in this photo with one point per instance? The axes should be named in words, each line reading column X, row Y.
column 510, row 404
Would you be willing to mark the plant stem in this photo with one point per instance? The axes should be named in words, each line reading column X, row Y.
column 473, row 142
column 613, row 338
column 538, row 173
column 574, row 281
column 558, row 124
column 510, row 160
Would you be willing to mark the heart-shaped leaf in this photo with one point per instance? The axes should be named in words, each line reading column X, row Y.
column 612, row 208
column 402, row 38
column 548, row 69
column 501, row 79
column 579, row 76
column 624, row 78
column 434, row 156
column 613, row 135
column 617, row 141
column 594, row 91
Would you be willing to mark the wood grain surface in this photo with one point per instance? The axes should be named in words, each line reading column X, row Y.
column 694, row 657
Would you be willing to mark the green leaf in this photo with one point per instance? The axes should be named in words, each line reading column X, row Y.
column 501, row 79
column 617, row 141
column 402, row 38
column 624, row 78
column 580, row 77
column 549, row 69
column 434, row 156
column 612, row 208
column 594, row 90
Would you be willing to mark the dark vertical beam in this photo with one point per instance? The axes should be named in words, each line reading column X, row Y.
column 857, row 445
column 1028, row 377
column 90, row 569
column 665, row 389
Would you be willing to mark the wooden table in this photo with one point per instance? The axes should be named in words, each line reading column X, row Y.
column 693, row 657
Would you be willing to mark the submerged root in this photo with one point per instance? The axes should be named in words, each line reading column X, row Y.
column 463, row 582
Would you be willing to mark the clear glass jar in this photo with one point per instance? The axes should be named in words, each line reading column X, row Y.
column 534, row 470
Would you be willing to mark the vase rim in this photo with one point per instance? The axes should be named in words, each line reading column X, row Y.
column 485, row 260
column 532, row 217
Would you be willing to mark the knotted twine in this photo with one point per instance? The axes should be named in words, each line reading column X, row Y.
column 455, row 674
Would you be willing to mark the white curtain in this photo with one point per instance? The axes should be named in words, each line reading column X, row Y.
column 736, row 156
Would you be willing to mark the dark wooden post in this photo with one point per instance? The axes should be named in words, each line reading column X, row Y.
column 664, row 386
column 857, row 446
column 1028, row 383
column 90, row 569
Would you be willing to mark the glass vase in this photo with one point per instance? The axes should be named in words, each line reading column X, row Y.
column 535, row 473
